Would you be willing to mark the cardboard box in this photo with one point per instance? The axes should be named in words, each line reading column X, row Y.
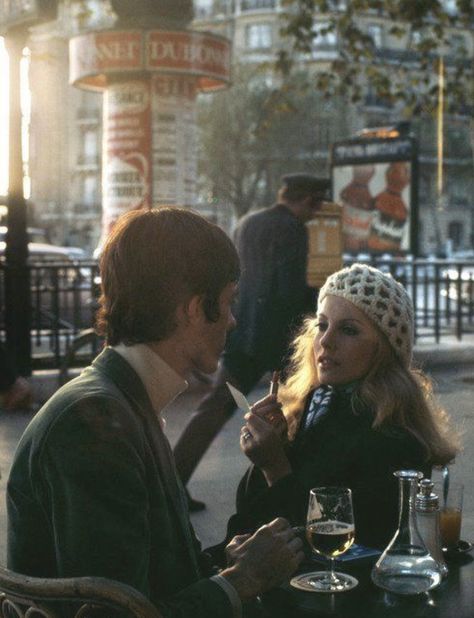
column 325, row 244
column 320, row 267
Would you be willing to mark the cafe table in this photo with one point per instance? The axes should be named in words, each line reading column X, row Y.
column 453, row 598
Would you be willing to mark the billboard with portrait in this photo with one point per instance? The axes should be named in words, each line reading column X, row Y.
column 375, row 180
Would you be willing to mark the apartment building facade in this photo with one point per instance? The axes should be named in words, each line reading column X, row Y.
column 444, row 224
column 66, row 124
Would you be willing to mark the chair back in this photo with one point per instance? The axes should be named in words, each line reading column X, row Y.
column 22, row 596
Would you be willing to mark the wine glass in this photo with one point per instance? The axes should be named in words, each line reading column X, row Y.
column 330, row 532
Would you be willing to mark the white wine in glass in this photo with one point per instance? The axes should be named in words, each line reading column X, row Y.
column 330, row 531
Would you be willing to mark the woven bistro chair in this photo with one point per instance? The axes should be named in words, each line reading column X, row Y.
column 22, row 596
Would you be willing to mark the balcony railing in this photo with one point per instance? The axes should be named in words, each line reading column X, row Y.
column 255, row 5
column 64, row 301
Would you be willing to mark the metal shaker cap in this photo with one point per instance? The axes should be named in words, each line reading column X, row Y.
column 426, row 501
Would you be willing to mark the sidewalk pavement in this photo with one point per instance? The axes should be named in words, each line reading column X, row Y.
column 427, row 354
column 450, row 363
column 449, row 351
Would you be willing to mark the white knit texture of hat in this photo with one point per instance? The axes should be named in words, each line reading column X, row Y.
column 381, row 298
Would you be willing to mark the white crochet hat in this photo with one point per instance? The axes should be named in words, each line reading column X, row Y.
column 381, row 298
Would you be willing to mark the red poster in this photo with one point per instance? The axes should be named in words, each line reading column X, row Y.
column 127, row 149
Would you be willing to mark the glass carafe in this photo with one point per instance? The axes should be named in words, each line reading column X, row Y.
column 406, row 566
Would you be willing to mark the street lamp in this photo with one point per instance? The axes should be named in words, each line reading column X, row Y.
column 16, row 16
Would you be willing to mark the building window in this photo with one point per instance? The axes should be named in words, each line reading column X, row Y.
column 426, row 187
column 324, row 133
column 375, row 99
column 458, row 190
column 203, row 8
column 335, row 5
column 457, row 144
column 211, row 8
column 258, row 36
column 457, row 45
column 90, row 190
column 416, row 37
column 324, row 38
column 450, row 6
column 375, row 31
column 90, row 153
column 253, row 5
column 455, row 233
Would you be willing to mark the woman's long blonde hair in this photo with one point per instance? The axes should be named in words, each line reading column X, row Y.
column 394, row 394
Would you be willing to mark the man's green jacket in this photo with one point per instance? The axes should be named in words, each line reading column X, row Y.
column 93, row 491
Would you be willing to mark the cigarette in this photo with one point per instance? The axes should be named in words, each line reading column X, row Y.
column 274, row 383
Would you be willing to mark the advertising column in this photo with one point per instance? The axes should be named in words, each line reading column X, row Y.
column 150, row 80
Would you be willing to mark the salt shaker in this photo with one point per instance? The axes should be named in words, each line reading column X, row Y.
column 427, row 517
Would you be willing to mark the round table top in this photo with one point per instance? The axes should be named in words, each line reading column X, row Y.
column 453, row 598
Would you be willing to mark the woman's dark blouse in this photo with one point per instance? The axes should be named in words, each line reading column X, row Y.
column 343, row 450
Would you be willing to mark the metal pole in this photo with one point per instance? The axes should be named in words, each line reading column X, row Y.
column 17, row 276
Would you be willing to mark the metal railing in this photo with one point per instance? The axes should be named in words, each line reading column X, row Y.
column 442, row 292
column 64, row 301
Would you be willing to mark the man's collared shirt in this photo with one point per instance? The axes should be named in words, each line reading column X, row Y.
column 161, row 382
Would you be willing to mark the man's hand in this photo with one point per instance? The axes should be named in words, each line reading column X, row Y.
column 231, row 552
column 265, row 560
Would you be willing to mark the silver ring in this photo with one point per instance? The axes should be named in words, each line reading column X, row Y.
column 246, row 435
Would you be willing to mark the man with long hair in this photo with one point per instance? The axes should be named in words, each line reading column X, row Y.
column 93, row 488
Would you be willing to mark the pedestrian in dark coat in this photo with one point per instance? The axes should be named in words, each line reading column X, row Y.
column 15, row 391
column 273, row 298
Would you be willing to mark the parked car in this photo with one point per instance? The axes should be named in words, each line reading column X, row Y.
column 40, row 249
column 61, row 281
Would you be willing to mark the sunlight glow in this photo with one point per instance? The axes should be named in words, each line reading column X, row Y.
column 3, row 119
column 26, row 115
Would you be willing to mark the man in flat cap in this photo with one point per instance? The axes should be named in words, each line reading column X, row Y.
column 273, row 296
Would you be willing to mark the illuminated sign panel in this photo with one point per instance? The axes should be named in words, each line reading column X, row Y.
column 375, row 182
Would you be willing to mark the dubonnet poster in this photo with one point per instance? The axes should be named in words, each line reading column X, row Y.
column 373, row 182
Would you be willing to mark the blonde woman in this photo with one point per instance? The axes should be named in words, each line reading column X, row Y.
column 355, row 410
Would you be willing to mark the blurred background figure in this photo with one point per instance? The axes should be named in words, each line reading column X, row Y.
column 15, row 391
column 273, row 296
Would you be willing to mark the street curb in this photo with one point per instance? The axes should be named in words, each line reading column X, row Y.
column 439, row 356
